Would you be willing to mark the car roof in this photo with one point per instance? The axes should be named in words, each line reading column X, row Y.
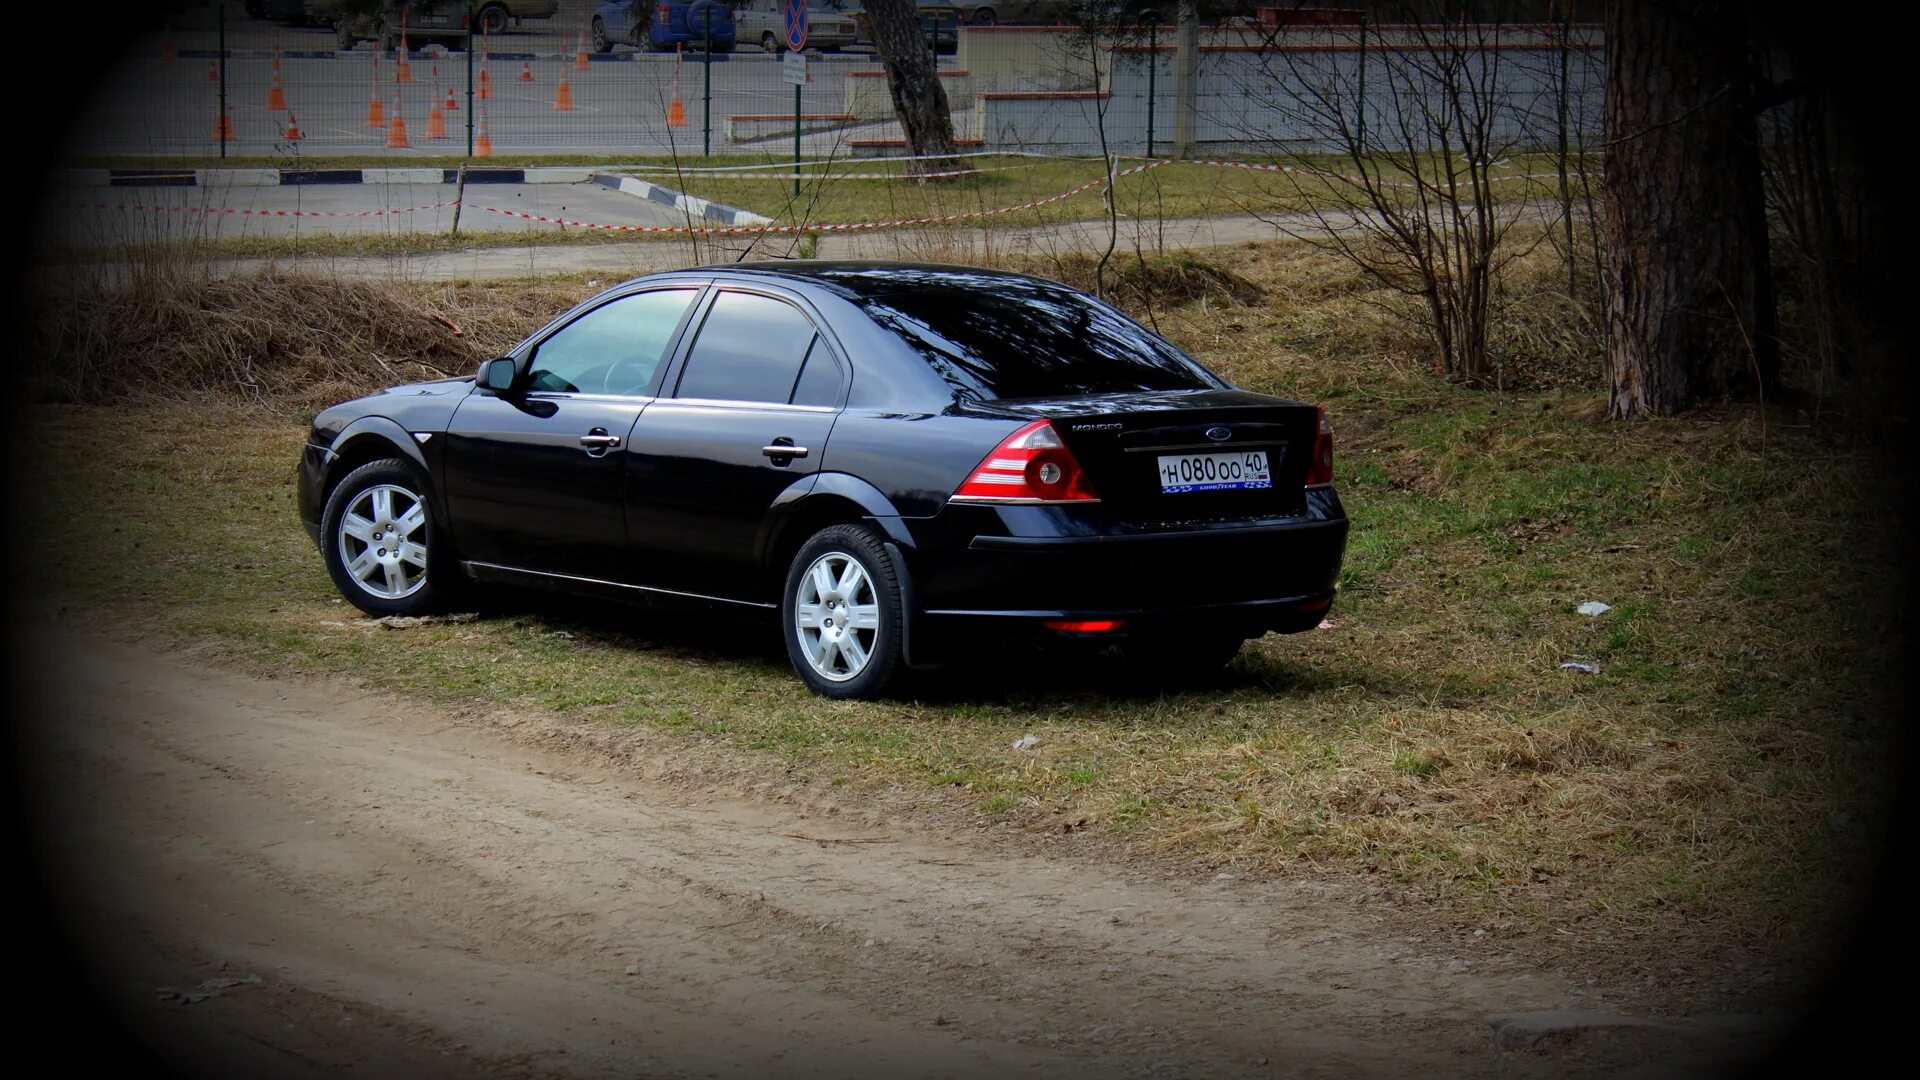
column 862, row 279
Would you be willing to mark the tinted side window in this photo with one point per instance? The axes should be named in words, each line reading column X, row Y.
column 613, row 349
column 819, row 382
column 750, row 348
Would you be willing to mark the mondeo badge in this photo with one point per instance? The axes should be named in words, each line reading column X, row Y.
column 1219, row 434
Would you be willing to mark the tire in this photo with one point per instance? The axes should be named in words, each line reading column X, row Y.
column 344, row 35
column 492, row 19
column 600, row 42
column 769, row 42
column 985, row 17
column 843, row 575
column 413, row 578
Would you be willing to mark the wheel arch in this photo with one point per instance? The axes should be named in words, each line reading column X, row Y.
column 831, row 499
column 369, row 438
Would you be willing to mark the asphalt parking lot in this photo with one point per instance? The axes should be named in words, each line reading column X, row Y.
column 90, row 216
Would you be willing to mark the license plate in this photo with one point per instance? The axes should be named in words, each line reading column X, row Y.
column 1241, row 470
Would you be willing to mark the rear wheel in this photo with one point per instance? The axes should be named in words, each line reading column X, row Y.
column 600, row 42
column 840, row 614
column 769, row 42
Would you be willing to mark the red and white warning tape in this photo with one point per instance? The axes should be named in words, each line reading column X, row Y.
column 855, row 226
column 745, row 230
column 237, row 211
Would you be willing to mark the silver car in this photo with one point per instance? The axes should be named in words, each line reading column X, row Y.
column 830, row 24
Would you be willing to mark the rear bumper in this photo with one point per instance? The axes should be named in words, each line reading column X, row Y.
column 1251, row 577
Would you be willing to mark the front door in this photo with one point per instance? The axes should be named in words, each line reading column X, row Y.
column 745, row 423
column 536, row 477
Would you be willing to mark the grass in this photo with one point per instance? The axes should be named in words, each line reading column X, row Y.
column 1717, row 778
column 1174, row 191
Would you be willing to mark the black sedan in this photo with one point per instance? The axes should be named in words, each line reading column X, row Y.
column 898, row 464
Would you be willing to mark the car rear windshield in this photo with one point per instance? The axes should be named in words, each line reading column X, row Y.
column 1023, row 338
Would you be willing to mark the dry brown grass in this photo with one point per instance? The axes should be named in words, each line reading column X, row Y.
column 291, row 341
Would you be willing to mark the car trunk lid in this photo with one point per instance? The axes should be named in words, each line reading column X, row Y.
column 1184, row 455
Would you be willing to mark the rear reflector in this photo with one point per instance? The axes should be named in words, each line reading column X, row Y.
column 1085, row 626
column 1032, row 465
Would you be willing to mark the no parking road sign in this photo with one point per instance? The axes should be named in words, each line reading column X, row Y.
column 796, row 11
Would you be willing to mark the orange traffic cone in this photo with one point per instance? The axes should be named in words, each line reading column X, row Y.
column 676, row 111
column 486, row 86
column 168, row 54
column 213, row 71
column 293, row 129
column 526, row 71
column 276, row 96
column 223, row 125
column 436, row 123
column 580, row 53
column 376, row 113
column 452, row 105
column 405, row 72
column 482, row 142
column 563, row 95
column 397, row 129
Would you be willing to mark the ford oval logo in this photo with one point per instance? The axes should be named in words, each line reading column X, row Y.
column 1219, row 434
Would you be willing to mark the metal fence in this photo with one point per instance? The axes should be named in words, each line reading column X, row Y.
column 249, row 88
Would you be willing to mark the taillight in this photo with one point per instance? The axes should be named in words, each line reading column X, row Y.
column 1320, row 471
column 665, row 11
column 1031, row 465
column 1085, row 626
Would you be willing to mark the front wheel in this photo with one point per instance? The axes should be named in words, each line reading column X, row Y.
column 600, row 42
column 381, row 542
column 769, row 42
column 840, row 613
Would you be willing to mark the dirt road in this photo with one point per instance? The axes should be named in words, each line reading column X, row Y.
column 419, row 896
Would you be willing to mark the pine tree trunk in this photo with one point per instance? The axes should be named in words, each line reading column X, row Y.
column 1691, row 309
column 918, row 98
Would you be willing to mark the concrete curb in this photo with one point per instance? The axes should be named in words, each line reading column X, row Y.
column 544, row 174
column 693, row 205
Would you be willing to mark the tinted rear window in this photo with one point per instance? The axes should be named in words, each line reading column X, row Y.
column 1026, row 339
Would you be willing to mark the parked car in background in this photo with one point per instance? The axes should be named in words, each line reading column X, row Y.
column 831, row 24
column 297, row 12
column 939, row 19
column 662, row 26
column 890, row 465
column 425, row 19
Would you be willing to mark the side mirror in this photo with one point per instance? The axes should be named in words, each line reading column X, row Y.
column 498, row 374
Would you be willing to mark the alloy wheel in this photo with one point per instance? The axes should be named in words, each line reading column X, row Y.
column 836, row 616
column 383, row 541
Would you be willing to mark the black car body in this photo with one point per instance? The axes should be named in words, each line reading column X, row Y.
column 1011, row 448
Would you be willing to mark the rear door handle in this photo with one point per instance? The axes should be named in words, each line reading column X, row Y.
column 598, row 441
column 787, row 451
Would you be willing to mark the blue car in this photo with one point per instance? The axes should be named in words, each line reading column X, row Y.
column 663, row 26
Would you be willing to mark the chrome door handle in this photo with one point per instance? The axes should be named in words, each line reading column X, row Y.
column 600, row 442
column 784, row 451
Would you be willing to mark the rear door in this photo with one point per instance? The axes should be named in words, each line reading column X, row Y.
column 743, row 423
